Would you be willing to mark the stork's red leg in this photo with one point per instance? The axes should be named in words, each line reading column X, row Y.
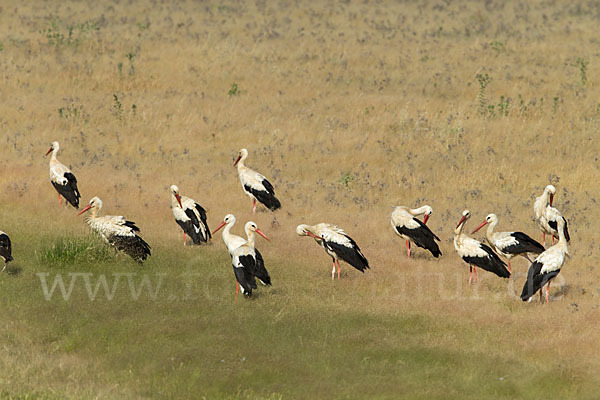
column 339, row 268
column 237, row 289
column 544, row 242
column 184, row 238
column 59, row 199
column 408, row 248
column 475, row 272
column 333, row 270
column 547, row 292
column 253, row 206
column 470, row 273
column 509, row 266
column 552, row 240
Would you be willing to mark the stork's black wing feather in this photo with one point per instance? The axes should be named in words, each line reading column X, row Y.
column 5, row 247
column 536, row 280
column 352, row 255
column 422, row 236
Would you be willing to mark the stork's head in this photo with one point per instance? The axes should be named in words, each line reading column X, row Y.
column 242, row 154
column 305, row 230
column 428, row 212
column 53, row 147
column 251, row 226
column 95, row 205
column 490, row 219
column 551, row 190
column 465, row 216
column 175, row 192
column 229, row 219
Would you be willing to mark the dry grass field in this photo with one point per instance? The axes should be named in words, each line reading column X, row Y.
column 349, row 108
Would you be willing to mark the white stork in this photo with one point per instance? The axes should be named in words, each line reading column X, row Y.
column 63, row 179
column 546, row 266
column 509, row 244
column 475, row 253
column 5, row 249
column 337, row 244
column 409, row 228
column 231, row 241
column 547, row 216
column 248, row 263
column 255, row 185
column 117, row 231
column 190, row 216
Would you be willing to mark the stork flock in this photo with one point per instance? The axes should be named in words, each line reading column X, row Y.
column 248, row 263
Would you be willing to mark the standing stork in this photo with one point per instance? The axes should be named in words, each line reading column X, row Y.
column 546, row 266
column 63, row 179
column 409, row 228
column 117, row 231
column 255, row 185
column 337, row 244
column 475, row 253
column 547, row 216
column 248, row 263
column 5, row 249
column 231, row 241
column 509, row 244
column 190, row 216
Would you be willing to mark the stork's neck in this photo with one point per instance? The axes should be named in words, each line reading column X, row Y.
column 53, row 155
column 490, row 230
column 174, row 202
column 418, row 211
column 562, row 240
column 240, row 164
column 226, row 235
column 251, row 238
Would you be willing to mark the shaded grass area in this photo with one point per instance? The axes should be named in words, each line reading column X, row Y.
column 181, row 334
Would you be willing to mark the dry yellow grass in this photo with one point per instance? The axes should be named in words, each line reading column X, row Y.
column 349, row 108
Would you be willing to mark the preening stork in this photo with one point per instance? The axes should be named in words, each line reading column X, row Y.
column 546, row 266
column 117, row 231
column 5, row 249
column 509, row 244
column 190, row 216
column 248, row 263
column 255, row 185
column 547, row 216
column 231, row 241
column 409, row 228
column 337, row 244
column 475, row 253
column 63, row 179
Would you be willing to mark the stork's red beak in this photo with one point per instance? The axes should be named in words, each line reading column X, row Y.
column 178, row 200
column 479, row 227
column 49, row 151
column 238, row 160
column 262, row 234
column 85, row 209
column 463, row 218
column 313, row 235
column 219, row 227
column 426, row 218
column 551, row 199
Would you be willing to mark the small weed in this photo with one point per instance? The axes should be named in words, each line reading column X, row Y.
column 131, row 56
column 60, row 34
column 117, row 107
column 484, row 81
column 582, row 70
column 497, row 45
column 555, row 101
column 1, row 46
column 346, row 179
column 234, row 90
column 369, row 109
column 522, row 105
column 503, row 106
column 143, row 25
column 120, row 69
column 71, row 112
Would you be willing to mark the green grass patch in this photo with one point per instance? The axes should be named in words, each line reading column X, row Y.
column 69, row 250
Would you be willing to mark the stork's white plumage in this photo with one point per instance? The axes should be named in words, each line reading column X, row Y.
column 337, row 244
column 190, row 216
column 248, row 263
column 5, row 249
column 255, row 185
column 231, row 241
column 475, row 253
column 547, row 216
column 546, row 266
column 117, row 231
column 409, row 228
column 63, row 179
column 509, row 244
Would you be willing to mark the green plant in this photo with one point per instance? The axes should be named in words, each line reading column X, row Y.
column 582, row 70
column 555, row 104
column 503, row 106
column 234, row 90
column 117, row 107
column 60, row 34
column 346, row 179
column 497, row 45
column 131, row 56
column 484, row 81
column 71, row 112
column 71, row 249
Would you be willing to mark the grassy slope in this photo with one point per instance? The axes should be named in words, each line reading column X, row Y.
column 349, row 109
